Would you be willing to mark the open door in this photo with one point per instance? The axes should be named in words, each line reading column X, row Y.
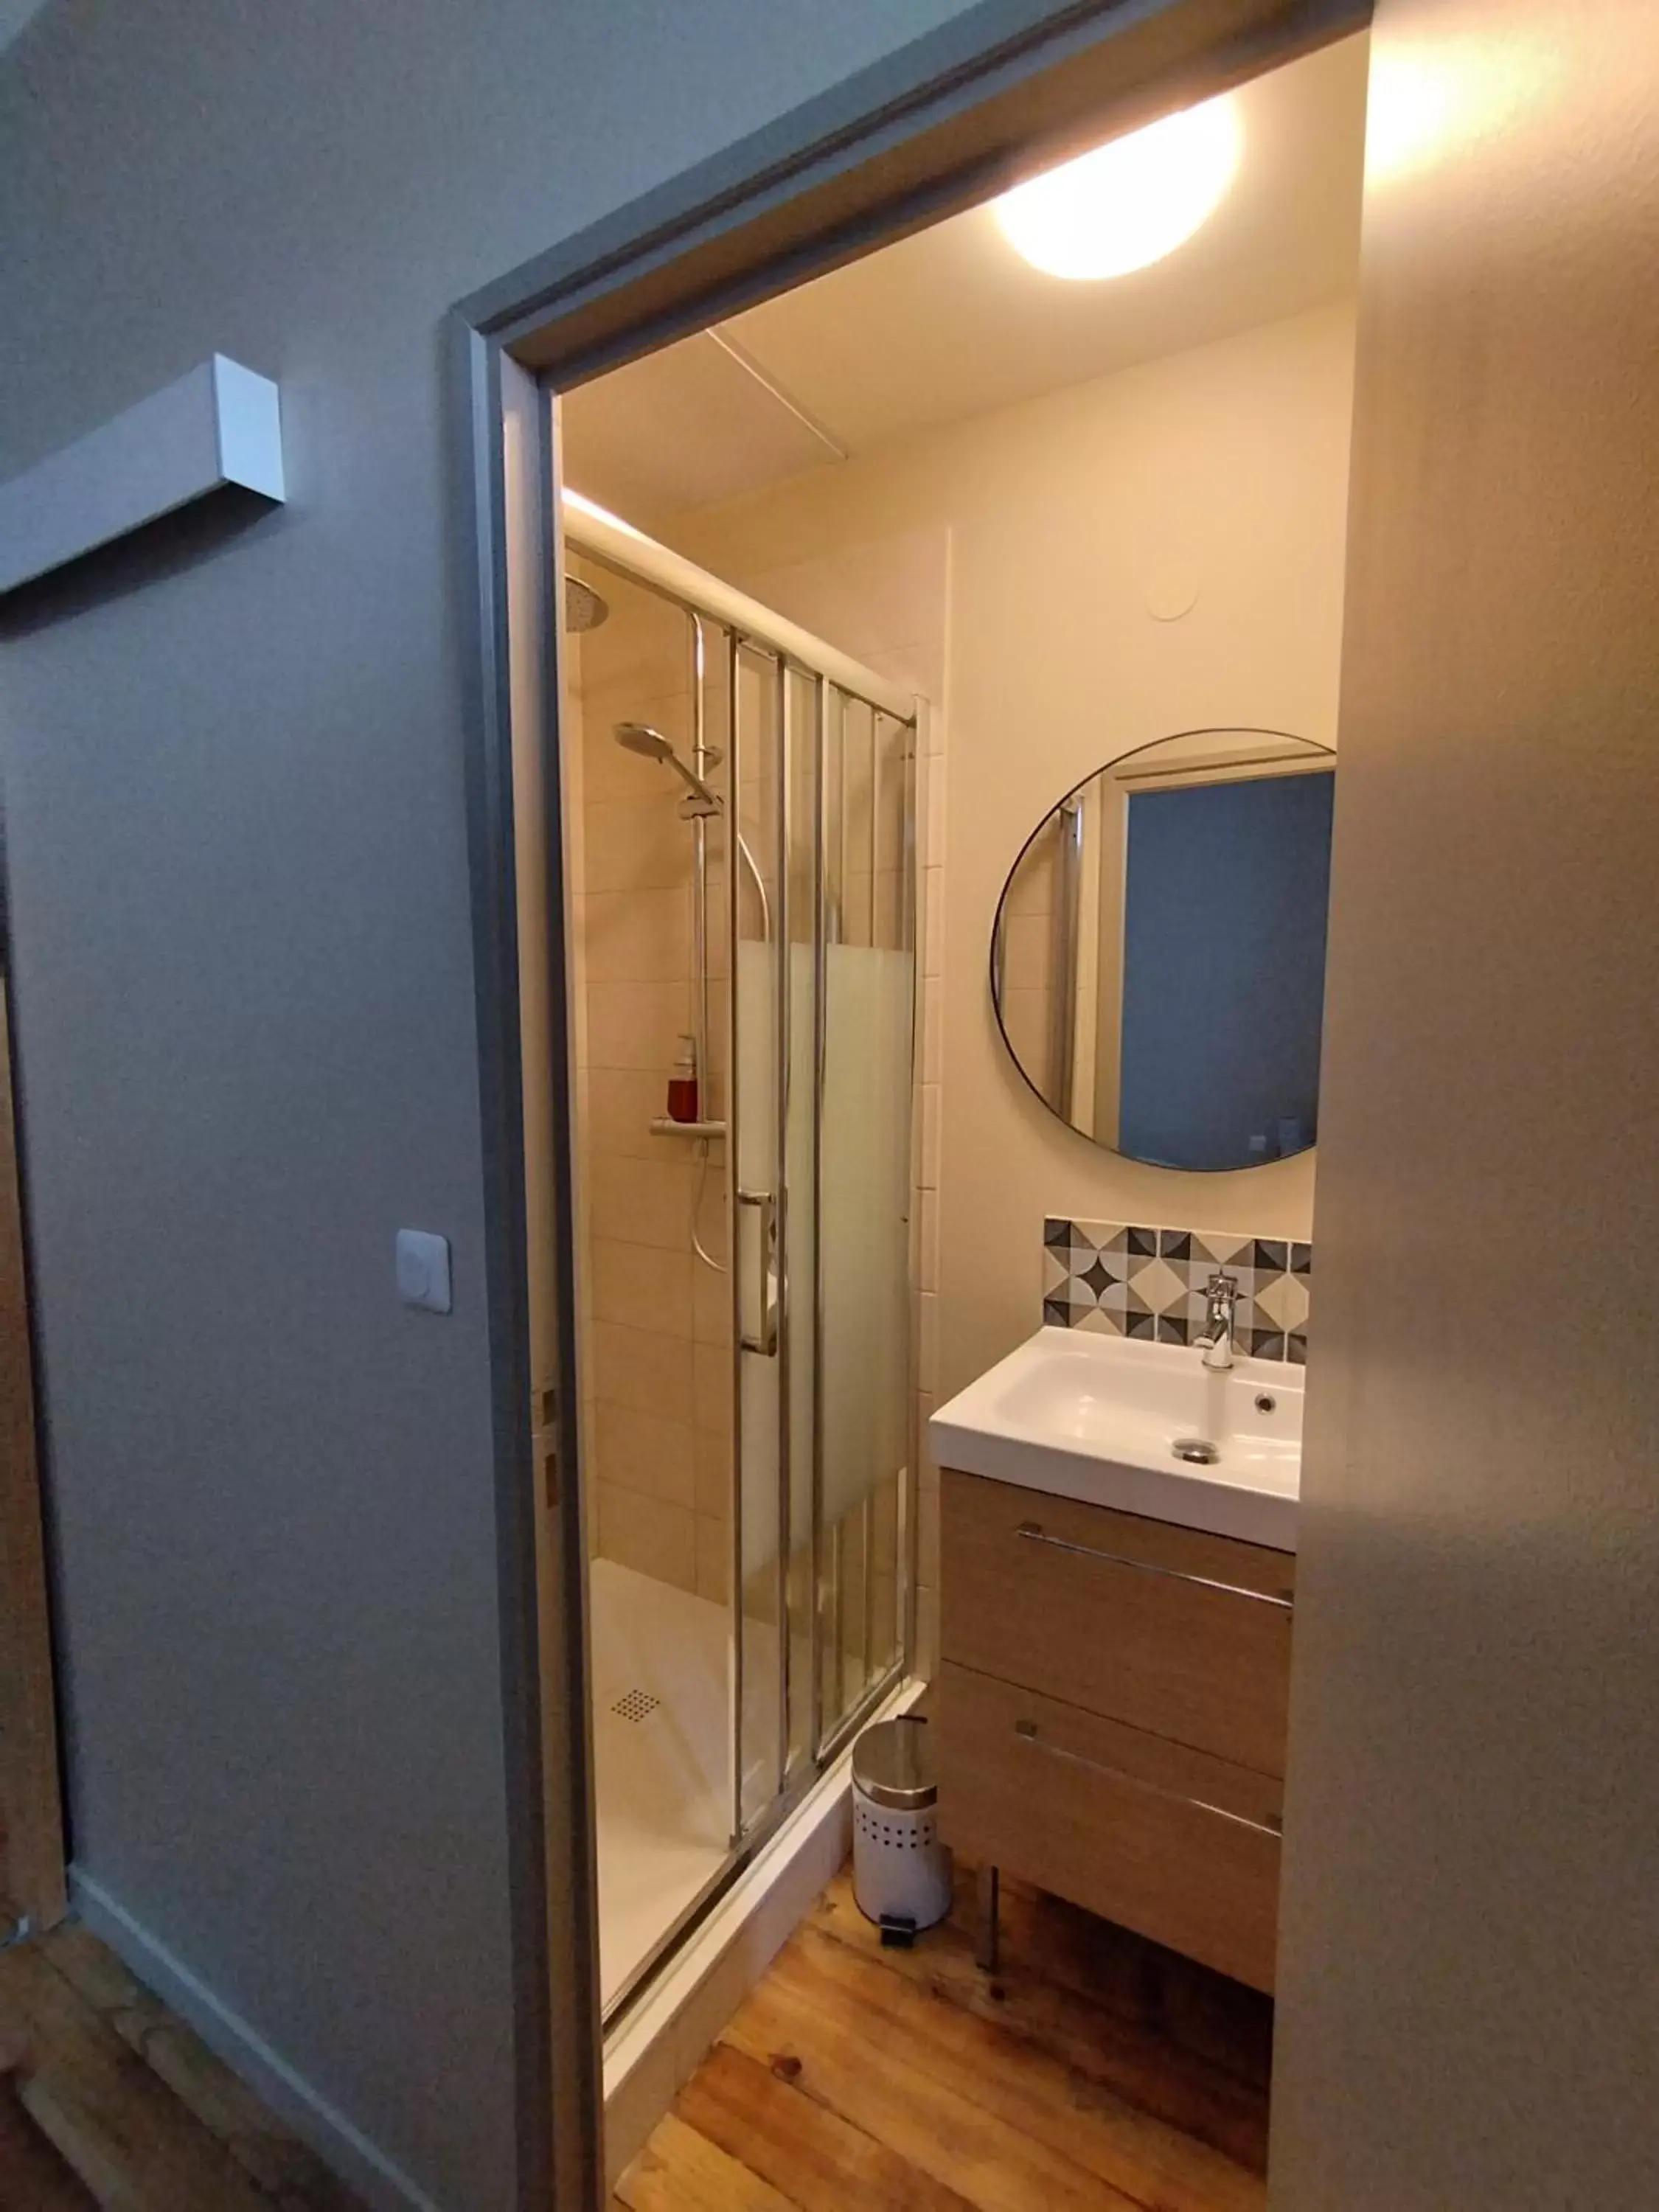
column 1467, row 1933
column 31, row 1884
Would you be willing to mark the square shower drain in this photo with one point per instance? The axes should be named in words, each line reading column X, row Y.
column 635, row 1705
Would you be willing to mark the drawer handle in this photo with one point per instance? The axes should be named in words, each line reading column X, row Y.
column 1034, row 1533
column 1027, row 1733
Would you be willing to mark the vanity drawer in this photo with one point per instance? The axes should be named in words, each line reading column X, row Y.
column 1171, row 1842
column 1171, row 1630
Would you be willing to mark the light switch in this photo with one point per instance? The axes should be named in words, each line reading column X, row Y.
column 423, row 1270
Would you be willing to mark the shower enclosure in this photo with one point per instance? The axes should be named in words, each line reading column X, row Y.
column 725, row 1686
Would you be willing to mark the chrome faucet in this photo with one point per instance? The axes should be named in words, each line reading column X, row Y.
column 1221, row 1298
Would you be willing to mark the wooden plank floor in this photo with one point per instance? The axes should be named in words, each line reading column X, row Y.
column 109, row 2103
column 1096, row 2073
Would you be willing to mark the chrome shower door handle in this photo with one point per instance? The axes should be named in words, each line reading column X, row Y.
column 765, row 1204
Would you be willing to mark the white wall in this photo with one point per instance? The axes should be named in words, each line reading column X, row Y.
column 237, row 864
column 1229, row 462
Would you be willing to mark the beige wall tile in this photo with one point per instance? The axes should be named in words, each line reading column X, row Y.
column 641, row 1286
column 634, row 954
column 646, row 1452
column 712, row 1388
column 642, row 1201
column 644, row 675
column 649, row 1536
column 637, row 844
column 711, row 1454
column 711, row 1293
column 643, row 690
column 622, row 1102
column 637, row 937
column 714, row 1558
column 643, row 1368
column 637, row 1026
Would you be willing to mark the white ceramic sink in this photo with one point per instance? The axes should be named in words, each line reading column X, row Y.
column 1082, row 1415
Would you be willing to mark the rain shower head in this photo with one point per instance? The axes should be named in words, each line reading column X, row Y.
column 584, row 609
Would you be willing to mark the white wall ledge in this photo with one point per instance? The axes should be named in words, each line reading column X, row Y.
column 219, row 424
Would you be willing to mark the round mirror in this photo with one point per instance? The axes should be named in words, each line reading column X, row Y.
column 1158, row 962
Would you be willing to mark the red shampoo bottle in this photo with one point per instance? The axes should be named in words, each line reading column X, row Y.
column 682, row 1083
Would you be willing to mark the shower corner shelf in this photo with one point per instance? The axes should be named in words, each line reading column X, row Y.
column 664, row 1127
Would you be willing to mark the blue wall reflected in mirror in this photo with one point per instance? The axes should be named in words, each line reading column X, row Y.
column 1158, row 962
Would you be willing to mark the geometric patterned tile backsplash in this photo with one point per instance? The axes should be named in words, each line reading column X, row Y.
column 1129, row 1281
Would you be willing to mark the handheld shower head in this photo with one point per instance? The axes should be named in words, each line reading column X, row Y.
column 641, row 738
column 651, row 745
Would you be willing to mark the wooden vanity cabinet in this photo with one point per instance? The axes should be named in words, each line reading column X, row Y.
column 1111, row 1714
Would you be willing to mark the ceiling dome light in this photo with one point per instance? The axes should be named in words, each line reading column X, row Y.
column 1130, row 201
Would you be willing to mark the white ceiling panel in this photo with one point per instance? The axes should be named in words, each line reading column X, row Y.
column 952, row 323
column 688, row 427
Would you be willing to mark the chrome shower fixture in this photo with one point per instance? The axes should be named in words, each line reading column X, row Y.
column 651, row 745
column 584, row 609
column 700, row 801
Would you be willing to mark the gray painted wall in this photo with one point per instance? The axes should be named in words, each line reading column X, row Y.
column 1468, row 1998
column 234, row 803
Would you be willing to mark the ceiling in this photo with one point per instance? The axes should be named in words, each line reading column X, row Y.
column 951, row 322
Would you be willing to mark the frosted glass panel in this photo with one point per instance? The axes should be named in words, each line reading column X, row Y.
column 864, row 1230
column 821, row 1105
column 759, row 1261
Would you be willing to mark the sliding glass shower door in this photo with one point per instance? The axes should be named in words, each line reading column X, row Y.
column 866, row 1010
column 772, row 1229
column 821, row 1080
column 792, row 772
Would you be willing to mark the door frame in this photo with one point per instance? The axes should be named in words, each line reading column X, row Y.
column 33, row 1884
column 932, row 129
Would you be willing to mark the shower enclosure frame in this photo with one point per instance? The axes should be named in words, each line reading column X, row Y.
column 934, row 127
column 743, row 627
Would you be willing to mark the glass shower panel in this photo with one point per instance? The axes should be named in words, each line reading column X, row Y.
column 781, row 806
column 804, row 702
column 774, row 1084
column 866, row 1052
